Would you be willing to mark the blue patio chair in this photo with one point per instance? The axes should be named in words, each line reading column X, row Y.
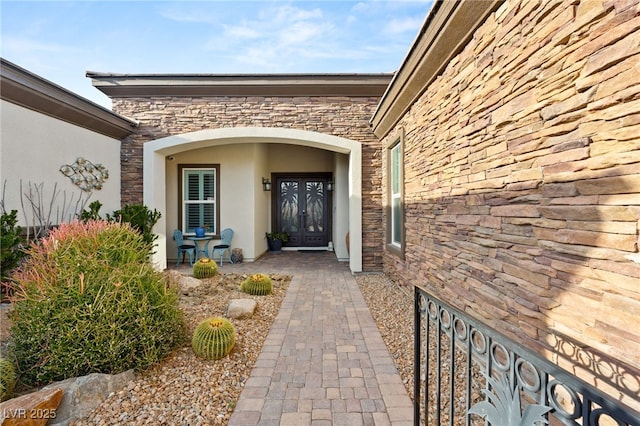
column 225, row 245
column 188, row 249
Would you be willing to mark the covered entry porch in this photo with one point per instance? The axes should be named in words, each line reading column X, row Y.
column 241, row 159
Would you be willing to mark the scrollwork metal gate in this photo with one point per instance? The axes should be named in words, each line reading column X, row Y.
column 467, row 374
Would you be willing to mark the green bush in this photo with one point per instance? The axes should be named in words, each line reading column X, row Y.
column 7, row 379
column 93, row 213
column 10, row 243
column 137, row 215
column 87, row 300
column 140, row 217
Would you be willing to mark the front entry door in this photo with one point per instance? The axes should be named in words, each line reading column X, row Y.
column 302, row 207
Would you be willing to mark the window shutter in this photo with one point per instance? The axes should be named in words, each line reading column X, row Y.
column 193, row 185
column 199, row 203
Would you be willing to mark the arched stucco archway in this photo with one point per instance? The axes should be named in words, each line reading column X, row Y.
column 155, row 153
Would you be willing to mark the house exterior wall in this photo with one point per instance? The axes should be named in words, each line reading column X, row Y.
column 345, row 117
column 522, row 185
column 236, row 207
column 242, row 166
column 33, row 148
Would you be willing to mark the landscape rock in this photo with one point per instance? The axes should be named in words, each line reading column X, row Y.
column 185, row 283
column 33, row 409
column 241, row 308
column 188, row 284
column 83, row 394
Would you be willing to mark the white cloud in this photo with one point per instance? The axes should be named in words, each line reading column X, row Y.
column 302, row 36
column 284, row 14
column 242, row 32
column 399, row 26
column 280, row 36
column 304, row 33
column 60, row 42
column 177, row 13
column 27, row 45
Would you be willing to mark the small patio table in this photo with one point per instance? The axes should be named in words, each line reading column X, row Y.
column 202, row 244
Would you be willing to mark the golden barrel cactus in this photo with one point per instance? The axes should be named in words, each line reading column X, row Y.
column 213, row 338
column 257, row 285
column 205, row 268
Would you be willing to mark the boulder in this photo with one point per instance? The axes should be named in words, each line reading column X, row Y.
column 186, row 284
column 83, row 394
column 241, row 308
column 34, row 409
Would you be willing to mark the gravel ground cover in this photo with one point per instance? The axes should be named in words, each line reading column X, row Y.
column 392, row 308
column 186, row 390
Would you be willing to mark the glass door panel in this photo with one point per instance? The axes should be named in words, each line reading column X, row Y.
column 302, row 210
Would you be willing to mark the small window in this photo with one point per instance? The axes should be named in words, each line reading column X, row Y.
column 395, row 217
column 396, row 196
column 199, row 204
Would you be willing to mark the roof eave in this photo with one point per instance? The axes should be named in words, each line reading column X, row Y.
column 272, row 85
column 33, row 92
column 446, row 30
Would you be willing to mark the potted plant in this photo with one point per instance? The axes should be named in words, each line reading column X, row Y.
column 275, row 240
column 201, row 230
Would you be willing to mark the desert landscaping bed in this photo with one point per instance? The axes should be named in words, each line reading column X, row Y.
column 184, row 389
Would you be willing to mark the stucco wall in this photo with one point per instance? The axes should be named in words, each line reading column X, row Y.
column 522, row 185
column 236, row 207
column 33, row 148
column 346, row 117
column 240, row 169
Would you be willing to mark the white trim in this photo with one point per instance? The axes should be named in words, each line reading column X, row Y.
column 154, row 172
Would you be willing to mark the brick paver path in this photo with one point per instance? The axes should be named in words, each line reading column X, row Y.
column 324, row 361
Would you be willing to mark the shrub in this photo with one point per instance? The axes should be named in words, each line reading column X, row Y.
column 93, row 213
column 213, row 338
column 137, row 215
column 257, row 285
column 87, row 300
column 140, row 217
column 7, row 378
column 205, row 268
column 10, row 243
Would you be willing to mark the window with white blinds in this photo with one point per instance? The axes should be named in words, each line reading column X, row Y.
column 199, row 199
column 395, row 233
column 396, row 195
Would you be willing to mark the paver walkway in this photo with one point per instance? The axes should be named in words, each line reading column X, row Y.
column 324, row 361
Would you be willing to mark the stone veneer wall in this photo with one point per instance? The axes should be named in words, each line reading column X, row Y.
column 522, row 185
column 347, row 117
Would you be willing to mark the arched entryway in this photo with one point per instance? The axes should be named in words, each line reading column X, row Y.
column 347, row 177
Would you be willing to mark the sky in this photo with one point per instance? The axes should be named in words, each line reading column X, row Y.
column 62, row 40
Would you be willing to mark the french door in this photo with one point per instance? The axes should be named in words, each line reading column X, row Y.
column 302, row 208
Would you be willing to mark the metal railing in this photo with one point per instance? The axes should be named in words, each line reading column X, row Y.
column 467, row 374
